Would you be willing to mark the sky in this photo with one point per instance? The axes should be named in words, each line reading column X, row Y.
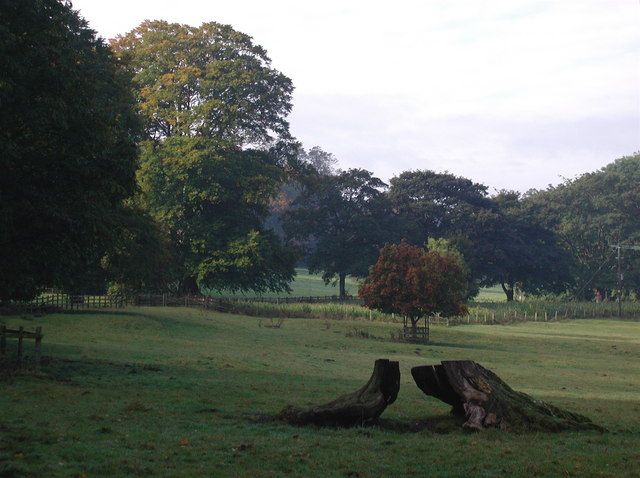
column 515, row 94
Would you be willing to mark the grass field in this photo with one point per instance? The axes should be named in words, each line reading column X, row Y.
column 303, row 285
column 179, row 392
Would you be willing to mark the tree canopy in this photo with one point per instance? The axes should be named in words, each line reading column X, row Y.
column 210, row 81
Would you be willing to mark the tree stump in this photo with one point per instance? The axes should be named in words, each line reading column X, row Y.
column 357, row 408
column 481, row 397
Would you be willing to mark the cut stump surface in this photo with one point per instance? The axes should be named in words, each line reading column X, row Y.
column 356, row 408
column 484, row 400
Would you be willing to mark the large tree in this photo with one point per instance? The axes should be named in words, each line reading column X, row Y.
column 346, row 218
column 510, row 247
column 217, row 151
column 68, row 134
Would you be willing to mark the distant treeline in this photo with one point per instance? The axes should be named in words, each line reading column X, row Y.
column 163, row 161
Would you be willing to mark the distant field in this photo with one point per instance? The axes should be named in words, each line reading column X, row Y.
column 178, row 392
column 307, row 285
column 491, row 294
column 304, row 285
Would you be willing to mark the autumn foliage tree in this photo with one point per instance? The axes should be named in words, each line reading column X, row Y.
column 415, row 283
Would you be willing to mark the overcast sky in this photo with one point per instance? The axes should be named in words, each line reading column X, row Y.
column 514, row 94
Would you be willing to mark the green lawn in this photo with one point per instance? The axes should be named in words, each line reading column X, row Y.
column 178, row 392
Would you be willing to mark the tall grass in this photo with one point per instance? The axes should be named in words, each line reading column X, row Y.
column 479, row 312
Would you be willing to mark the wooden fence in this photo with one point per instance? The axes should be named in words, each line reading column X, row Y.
column 63, row 301
column 21, row 335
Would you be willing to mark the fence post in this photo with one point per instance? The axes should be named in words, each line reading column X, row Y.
column 20, row 344
column 38, row 347
column 3, row 339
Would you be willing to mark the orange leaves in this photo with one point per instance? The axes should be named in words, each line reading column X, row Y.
column 410, row 281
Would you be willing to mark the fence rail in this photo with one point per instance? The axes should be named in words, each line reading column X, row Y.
column 21, row 335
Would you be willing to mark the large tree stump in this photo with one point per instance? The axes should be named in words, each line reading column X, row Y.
column 481, row 397
column 357, row 408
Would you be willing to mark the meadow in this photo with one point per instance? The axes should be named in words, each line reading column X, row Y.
column 185, row 392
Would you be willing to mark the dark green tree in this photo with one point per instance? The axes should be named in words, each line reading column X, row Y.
column 140, row 258
column 590, row 214
column 347, row 219
column 68, row 133
column 511, row 248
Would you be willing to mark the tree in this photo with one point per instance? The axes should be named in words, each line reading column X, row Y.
column 140, row 257
column 346, row 217
column 218, row 149
column 511, row 248
column 437, row 205
column 322, row 162
column 591, row 213
column 209, row 81
column 68, row 133
column 415, row 283
column 213, row 202
column 312, row 163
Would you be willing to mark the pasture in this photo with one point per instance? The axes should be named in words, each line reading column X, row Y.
column 184, row 392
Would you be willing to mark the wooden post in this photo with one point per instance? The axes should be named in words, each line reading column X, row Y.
column 535, row 316
column 3, row 339
column 38, row 348
column 556, row 316
column 20, row 344
column 545, row 315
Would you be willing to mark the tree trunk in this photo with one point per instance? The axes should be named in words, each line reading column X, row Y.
column 343, row 291
column 189, row 286
column 508, row 291
column 358, row 408
column 484, row 400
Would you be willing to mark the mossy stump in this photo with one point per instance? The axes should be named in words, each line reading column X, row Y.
column 357, row 408
column 485, row 401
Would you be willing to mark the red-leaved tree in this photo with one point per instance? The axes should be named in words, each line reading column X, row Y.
column 415, row 283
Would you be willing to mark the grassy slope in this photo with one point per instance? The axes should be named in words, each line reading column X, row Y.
column 175, row 392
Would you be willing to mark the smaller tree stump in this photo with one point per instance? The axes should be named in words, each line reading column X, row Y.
column 357, row 408
column 481, row 397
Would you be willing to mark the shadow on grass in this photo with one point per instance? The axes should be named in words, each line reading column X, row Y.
column 440, row 424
